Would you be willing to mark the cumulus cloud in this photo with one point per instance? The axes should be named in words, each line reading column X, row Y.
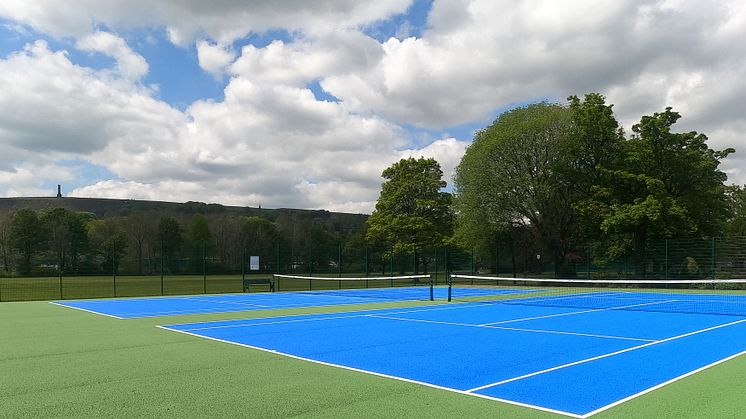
column 270, row 141
column 187, row 21
column 214, row 58
column 130, row 65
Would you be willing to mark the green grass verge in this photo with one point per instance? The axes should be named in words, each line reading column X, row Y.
column 59, row 362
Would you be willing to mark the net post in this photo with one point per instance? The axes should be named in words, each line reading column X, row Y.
column 432, row 293
column 436, row 264
column 450, row 285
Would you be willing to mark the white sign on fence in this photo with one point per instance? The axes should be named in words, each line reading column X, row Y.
column 253, row 263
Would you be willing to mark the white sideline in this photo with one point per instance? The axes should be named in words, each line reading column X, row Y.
column 595, row 358
column 392, row 377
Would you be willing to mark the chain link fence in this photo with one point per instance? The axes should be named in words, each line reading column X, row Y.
column 207, row 271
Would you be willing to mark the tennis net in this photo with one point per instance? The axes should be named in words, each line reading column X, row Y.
column 408, row 287
column 725, row 297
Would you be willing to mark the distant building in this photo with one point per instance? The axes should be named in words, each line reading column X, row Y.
column 59, row 191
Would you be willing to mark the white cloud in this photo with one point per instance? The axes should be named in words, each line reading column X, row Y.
column 271, row 142
column 187, row 21
column 447, row 152
column 130, row 65
column 214, row 58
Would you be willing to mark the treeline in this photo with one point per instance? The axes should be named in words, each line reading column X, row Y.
column 571, row 182
column 60, row 241
column 559, row 184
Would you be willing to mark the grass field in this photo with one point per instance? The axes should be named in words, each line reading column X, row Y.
column 58, row 362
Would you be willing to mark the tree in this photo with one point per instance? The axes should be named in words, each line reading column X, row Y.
column 666, row 184
column 736, row 225
column 5, row 243
column 110, row 242
column 594, row 150
column 412, row 211
column 513, row 176
column 170, row 240
column 199, row 238
column 259, row 237
column 67, row 236
column 141, row 230
column 28, row 236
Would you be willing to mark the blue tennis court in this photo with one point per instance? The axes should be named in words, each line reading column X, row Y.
column 127, row 308
column 566, row 360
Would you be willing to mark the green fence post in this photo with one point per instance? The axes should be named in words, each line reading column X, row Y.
column 391, row 261
column 162, row 288
column 665, row 263
column 59, row 268
column 497, row 259
column 713, row 258
column 204, row 267
column 277, row 268
column 436, row 265
column 472, row 261
column 339, row 262
column 114, row 271
column 243, row 265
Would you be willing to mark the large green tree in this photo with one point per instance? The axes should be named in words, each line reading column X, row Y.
column 736, row 225
column 171, row 240
column 666, row 184
column 5, row 244
column 511, row 177
column 199, row 239
column 109, row 239
column 28, row 237
column 413, row 212
column 67, row 235
column 141, row 229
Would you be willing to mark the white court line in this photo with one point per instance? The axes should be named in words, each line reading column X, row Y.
column 352, row 314
column 681, row 377
column 515, row 329
column 595, row 358
column 358, row 313
column 83, row 309
column 377, row 374
column 575, row 312
column 206, row 300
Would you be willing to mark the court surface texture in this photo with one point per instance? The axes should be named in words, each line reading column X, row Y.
column 127, row 308
column 562, row 360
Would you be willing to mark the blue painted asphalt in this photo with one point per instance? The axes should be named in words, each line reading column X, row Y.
column 568, row 361
column 224, row 303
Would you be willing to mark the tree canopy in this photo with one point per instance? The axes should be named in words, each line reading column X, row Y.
column 569, row 177
column 412, row 212
column 511, row 175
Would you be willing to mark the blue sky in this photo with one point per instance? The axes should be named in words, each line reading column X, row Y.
column 303, row 104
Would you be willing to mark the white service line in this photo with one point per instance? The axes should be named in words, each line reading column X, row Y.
column 207, row 300
column 595, row 358
column 352, row 314
column 576, row 312
column 515, row 329
column 88, row 311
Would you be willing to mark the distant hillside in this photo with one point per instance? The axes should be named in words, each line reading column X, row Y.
column 104, row 208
